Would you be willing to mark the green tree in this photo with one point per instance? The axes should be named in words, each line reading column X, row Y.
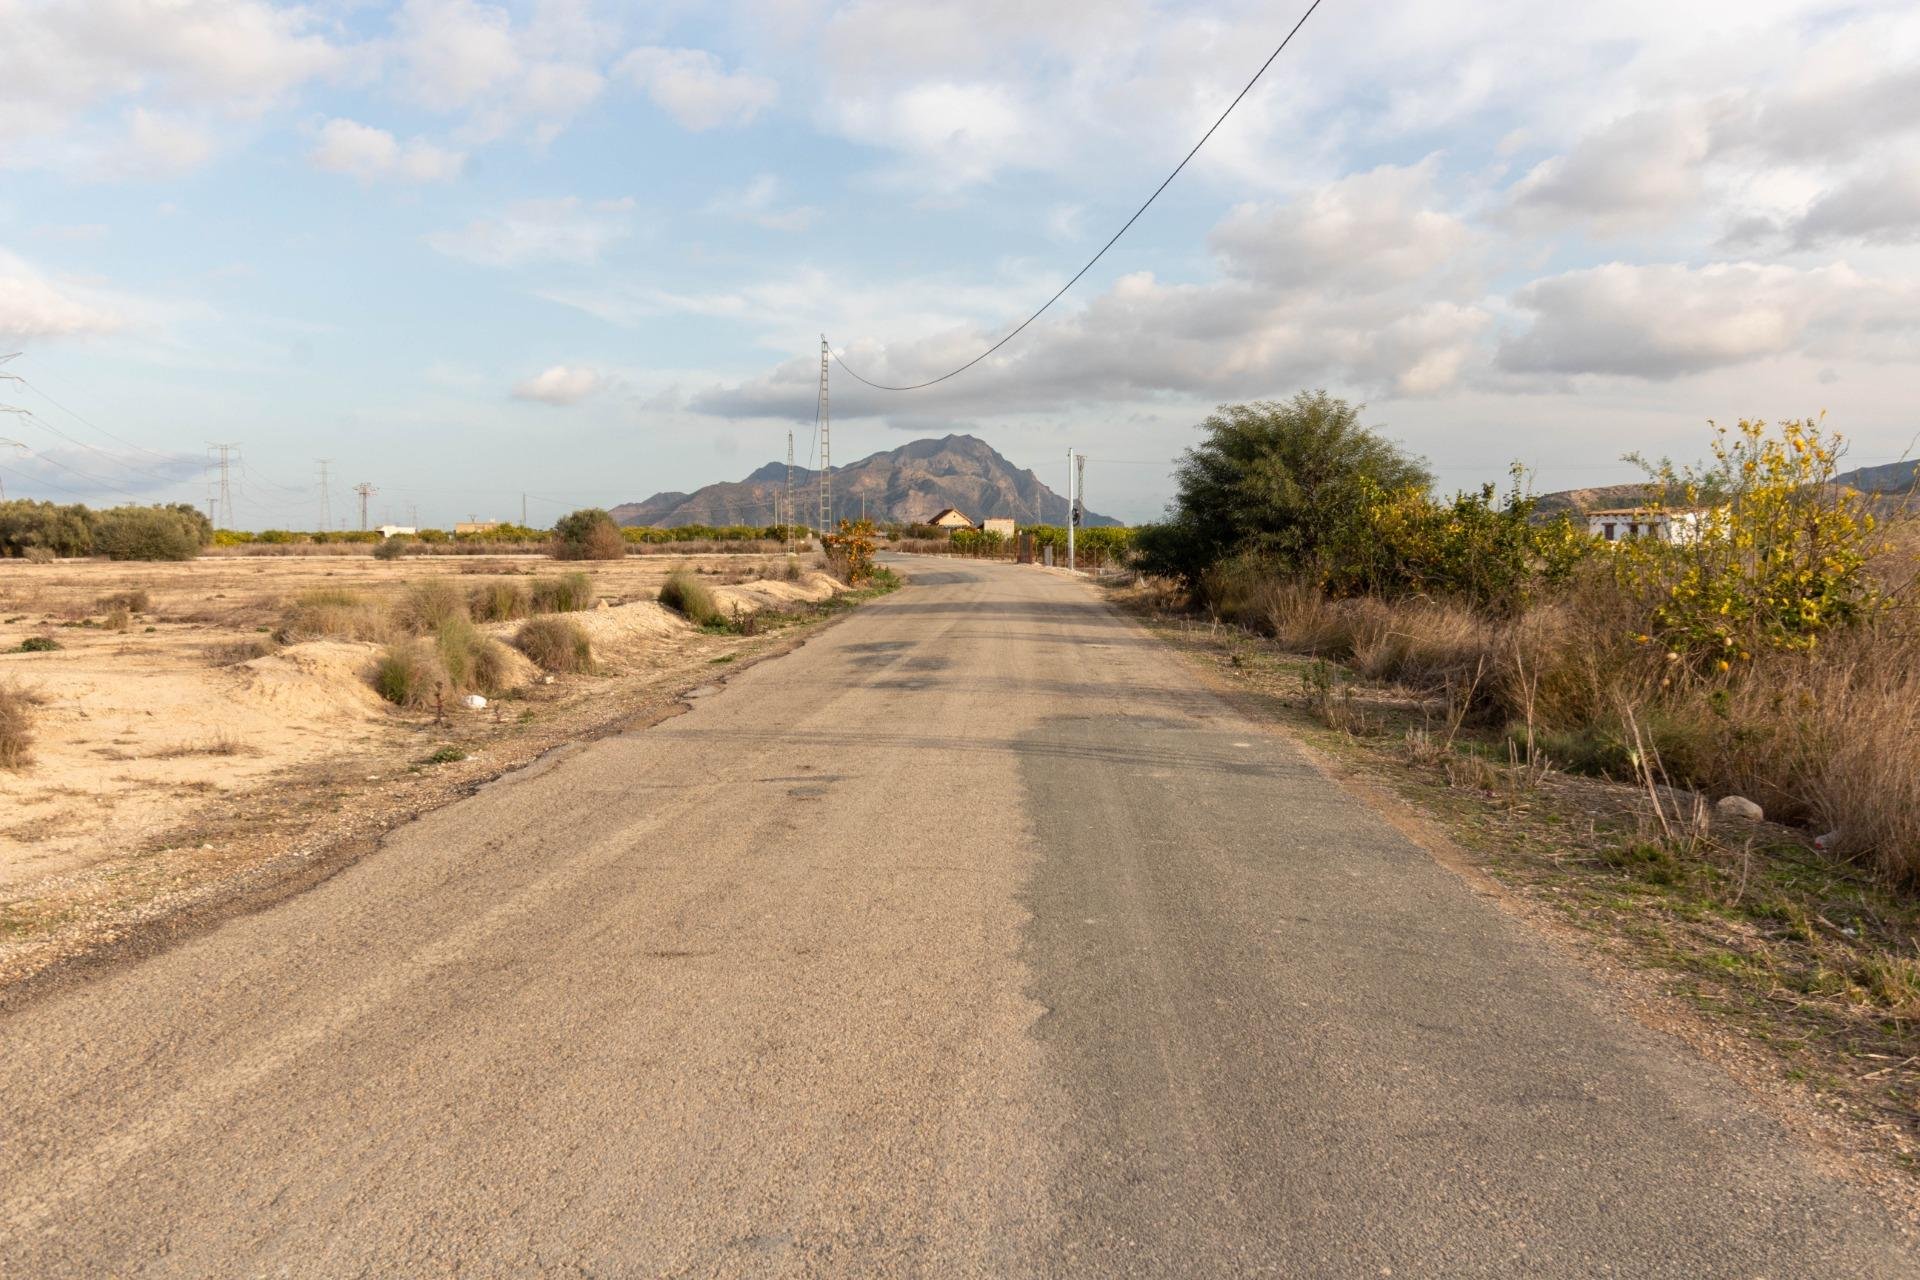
column 1284, row 483
column 588, row 534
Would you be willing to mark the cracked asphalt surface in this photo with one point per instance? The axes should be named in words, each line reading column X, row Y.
column 976, row 937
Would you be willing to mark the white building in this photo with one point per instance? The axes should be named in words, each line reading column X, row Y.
column 396, row 530
column 1677, row 525
column 1002, row 525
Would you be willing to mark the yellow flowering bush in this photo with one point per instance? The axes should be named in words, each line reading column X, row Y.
column 1777, row 557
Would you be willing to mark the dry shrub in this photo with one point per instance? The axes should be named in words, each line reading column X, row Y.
column 135, row 600
column 556, row 644
column 1428, row 644
column 471, row 660
column 1301, row 617
column 16, row 724
column 429, row 604
column 499, row 601
column 118, row 619
column 408, row 674
column 691, row 598
column 1829, row 738
column 562, row 593
column 331, row 612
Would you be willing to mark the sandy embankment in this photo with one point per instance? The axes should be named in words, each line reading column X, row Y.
column 141, row 730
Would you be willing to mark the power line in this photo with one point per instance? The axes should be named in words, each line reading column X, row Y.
column 916, row 386
column 165, row 457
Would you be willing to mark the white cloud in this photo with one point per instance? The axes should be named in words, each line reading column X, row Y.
column 34, row 307
column 759, row 203
column 456, row 51
column 1641, row 170
column 565, row 230
column 364, row 152
column 1666, row 320
column 1368, row 231
column 1881, row 206
column 465, row 57
column 560, row 385
column 694, row 87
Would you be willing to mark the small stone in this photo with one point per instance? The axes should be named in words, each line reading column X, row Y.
column 1739, row 807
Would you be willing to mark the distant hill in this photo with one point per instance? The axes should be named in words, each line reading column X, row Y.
column 1892, row 477
column 912, row 483
column 1598, row 498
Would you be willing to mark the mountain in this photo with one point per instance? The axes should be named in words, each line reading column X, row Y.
column 912, row 483
column 1893, row 477
column 1598, row 498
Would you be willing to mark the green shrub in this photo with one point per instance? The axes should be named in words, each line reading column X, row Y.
column 430, row 603
column 556, row 644
column 590, row 534
column 393, row 548
column 408, row 674
column 149, row 533
column 690, row 598
column 39, row 644
column 563, row 593
column 1284, row 483
column 31, row 529
column 499, row 601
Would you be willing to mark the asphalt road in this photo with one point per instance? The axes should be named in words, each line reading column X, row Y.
column 974, row 938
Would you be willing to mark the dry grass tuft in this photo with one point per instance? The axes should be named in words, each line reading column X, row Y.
column 16, row 724
column 689, row 597
column 499, row 601
column 333, row 613
column 408, row 674
column 562, row 593
column 558, row 645
column 429, row 605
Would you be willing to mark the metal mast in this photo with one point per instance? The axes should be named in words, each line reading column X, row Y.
column 789, row 520
column 326, row 497
column 826, row 447
column 366, row 490
column 226, row 489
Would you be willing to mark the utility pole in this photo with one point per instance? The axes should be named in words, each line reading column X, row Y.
column 366, row 490
column 789, row 490
column 523, row 510
column 1070, row 519
column 227, row 456
column 1079, row 497
column 826, row 447
column 326, row 498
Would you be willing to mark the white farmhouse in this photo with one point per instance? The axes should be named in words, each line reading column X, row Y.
column 1674, row 525
column 1002, row 525
column 396, row 530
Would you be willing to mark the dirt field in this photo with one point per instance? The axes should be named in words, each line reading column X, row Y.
column 148, row 735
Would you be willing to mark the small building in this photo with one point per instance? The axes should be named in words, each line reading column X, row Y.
column 1002, row 525
column 396, row 531
column 475, row 526
column 1676, row 525
column 951, row 518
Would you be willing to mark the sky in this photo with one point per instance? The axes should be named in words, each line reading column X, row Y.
column 586, row 252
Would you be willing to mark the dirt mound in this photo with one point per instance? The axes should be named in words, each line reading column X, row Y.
column 774, row 593
column 317, row 681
